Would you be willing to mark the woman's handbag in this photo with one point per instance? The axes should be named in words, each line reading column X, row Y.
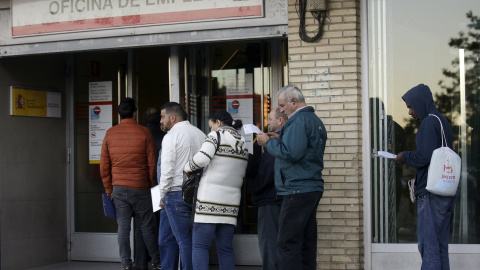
column 190, row 186
column 444, row 170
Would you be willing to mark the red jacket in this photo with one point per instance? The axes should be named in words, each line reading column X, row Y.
column 129, row 157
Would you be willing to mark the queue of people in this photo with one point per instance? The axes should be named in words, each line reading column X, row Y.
column 288, row 188
column 286, row 197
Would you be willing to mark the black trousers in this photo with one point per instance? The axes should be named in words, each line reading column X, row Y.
column 297, row 234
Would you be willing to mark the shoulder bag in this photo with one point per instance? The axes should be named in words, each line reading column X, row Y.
column 444, row 170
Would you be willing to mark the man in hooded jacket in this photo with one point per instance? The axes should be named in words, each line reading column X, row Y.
column 434, row 211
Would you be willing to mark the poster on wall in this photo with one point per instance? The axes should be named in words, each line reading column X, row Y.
column 100, row 117
column 30, row 17
column 35, row 102
column 240, row 102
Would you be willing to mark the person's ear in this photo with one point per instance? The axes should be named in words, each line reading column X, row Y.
column 218, row 123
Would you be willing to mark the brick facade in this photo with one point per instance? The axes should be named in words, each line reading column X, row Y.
column 329, row 74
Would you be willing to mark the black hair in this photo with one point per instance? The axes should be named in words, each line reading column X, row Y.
column 175, row 108
column 226, row 119
column 152, row 116
column 126, row 108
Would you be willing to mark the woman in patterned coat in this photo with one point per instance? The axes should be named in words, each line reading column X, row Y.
column 219, row 192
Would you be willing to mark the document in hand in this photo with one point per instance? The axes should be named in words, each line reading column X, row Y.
column 251, row 128
column 155, row 191
column 108, row 207
column 385, row 154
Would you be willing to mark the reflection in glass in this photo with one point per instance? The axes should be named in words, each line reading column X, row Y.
column 405, row 50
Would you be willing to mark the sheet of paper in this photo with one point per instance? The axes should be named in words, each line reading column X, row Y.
column 251, row 128
column 155, row 197
column 385, row 154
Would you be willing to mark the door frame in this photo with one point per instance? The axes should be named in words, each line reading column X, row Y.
column 88, row 246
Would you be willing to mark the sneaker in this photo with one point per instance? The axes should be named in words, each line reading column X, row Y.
column 128, row 268
column 156, row 266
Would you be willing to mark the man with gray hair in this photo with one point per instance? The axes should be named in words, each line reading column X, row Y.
column 298, row 150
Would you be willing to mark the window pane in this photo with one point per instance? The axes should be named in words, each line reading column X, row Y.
column 411, row 43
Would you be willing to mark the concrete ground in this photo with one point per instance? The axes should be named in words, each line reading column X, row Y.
column 73, row 265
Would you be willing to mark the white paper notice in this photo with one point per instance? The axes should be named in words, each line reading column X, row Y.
column 251, row 128
column 155, row 197
column 386, row 154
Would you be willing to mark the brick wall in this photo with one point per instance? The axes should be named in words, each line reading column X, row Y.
column 328, row 72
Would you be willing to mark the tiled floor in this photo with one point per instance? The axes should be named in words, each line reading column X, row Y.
column 110, row 266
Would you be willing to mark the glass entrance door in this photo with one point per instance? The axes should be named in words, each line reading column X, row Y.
column 241, row 78
column 142, row 74
column 93, row 235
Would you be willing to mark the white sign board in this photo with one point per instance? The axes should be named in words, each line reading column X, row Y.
column 100, row 117
column 49, row 16
column 240, row 101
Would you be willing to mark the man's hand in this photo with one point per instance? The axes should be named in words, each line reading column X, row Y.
column 110, row 196
column 273, row 135
column 398, row 159
column 262, row 139
column 161, row 205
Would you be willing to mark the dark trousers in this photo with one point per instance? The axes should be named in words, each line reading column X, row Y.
column 297, row 234
column 129, row 203
column 268, row 215
column 141, row 253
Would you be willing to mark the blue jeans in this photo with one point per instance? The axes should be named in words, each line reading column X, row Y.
column 169, row 250
column 434, row 213
column 138, row 202
column 268, row 216
column 179, row 214
column 202, row 238
column 297, row 232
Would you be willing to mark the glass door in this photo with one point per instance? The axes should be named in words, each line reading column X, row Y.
column 241, row 78
column 99, row 82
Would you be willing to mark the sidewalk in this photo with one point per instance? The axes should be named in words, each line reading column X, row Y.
column 110, row 266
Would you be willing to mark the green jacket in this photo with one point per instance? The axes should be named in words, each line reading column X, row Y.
column 299, row 153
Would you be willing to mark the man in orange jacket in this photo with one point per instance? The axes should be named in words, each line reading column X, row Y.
column 127, row 167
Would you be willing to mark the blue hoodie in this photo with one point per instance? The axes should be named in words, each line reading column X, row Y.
column 428, row 136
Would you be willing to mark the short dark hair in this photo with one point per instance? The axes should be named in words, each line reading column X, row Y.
column 175, row 108
column 152, row 116
column 225, row 118
column 126, row 108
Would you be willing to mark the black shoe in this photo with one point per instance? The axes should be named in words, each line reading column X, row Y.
column 128, row 268
column 156, row 266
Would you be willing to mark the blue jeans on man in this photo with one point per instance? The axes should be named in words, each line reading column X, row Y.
column 297, row 233
column 434, row 213
column 138, row 202
column 268, row 216
column 169, row 250
column 179, row 214
column 203, row 234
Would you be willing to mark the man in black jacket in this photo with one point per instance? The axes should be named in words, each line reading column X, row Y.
column 266, row 199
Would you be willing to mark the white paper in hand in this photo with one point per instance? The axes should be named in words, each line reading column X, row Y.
column 385, row 154
column 155, row 191
column 250, row 128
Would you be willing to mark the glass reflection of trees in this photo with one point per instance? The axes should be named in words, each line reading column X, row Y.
column 449, row 104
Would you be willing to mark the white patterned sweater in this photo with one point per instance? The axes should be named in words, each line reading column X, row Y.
column 219, row 192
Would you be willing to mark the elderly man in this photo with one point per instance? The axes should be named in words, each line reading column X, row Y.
column 265, row 197
column 298, row 152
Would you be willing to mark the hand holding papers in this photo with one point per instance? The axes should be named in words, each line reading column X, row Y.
column 385, row 154
column 251, row 128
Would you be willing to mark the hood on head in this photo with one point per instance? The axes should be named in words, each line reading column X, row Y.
column 420, row 99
